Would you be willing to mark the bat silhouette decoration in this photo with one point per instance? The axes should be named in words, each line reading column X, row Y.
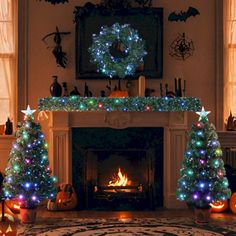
column 183, row 15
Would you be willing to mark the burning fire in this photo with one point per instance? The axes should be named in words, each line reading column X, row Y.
column 120, row 180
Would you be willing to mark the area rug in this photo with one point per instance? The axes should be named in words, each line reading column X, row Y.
column 127, row 227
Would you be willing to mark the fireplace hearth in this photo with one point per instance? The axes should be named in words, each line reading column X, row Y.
column 118, row 168
column 63, row 159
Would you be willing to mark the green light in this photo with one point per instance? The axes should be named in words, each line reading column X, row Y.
column 216, row 163
column 81, row 106
column 54, row 179
column 91, row 102
column 225, row 183
column 198, row 143
column 16, row 167
column 190, row 172
column 218, row 152
column 117, row 101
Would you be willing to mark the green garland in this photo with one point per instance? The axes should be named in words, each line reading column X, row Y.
column 141, row 104
column 107, row 63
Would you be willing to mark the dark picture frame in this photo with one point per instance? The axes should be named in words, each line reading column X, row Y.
column 147, row 21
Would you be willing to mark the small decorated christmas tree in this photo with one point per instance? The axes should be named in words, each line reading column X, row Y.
column 28, row 176
column 203, row 178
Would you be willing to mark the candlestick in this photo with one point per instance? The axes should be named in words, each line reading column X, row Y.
column 184, row 90
column 176, row 91
column 161, row 90
column 141, row 86
column 179, row 88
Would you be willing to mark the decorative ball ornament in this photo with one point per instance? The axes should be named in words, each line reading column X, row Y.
column 117, row 50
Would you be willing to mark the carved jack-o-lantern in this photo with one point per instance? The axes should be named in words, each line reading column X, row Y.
column 219, row 206
column 232, row 203
column 7, row 227
column 66, row 199
column 13, row 205
column 7, row 221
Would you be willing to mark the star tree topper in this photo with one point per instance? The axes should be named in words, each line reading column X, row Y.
column 202, row 114
column 28, row 111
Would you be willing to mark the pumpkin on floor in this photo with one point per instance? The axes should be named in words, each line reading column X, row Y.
column 8, row 228
column 232, row 203
column 7, row 222
column 66, row 198
column 13, row 205
column 219, row 206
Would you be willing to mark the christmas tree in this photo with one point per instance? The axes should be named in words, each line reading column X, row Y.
column 28, row 176
column 203, row 178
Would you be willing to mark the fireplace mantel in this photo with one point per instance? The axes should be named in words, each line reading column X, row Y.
column 174, row 124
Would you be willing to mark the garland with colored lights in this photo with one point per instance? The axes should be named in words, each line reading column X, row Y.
column 110, row 65
column 141, row 104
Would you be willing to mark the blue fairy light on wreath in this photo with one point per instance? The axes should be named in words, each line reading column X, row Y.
column 117, row 50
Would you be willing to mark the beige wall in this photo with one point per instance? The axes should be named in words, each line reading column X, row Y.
column 198, row 70
column 42, row 18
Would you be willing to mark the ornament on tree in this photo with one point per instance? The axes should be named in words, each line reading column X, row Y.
column 28, row 178
column 203, row 178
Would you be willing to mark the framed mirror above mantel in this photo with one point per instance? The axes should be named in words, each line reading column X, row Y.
column 148, row 21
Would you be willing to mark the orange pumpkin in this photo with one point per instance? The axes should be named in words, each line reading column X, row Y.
column 7, row 222
column 13, row 205
column 7, row 227
column 119, row 94
column 232, row 203
column 219, row 206
column 66, row 199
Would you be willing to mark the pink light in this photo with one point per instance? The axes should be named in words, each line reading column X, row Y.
column 202, row 161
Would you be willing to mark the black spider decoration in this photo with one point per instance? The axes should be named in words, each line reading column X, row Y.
column 57, row 51
column 181, row 48
column 55, row 1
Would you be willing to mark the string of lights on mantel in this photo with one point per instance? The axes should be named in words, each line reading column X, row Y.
column 141, row 104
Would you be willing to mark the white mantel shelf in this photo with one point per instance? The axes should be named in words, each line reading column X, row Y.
column 175, row 129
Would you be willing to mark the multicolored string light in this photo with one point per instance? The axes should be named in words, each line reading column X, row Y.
column 203, row 177
column 141, row 104
column 28, row 175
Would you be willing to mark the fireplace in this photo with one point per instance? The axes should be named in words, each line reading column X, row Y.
column 65, row 129
column 118, row 168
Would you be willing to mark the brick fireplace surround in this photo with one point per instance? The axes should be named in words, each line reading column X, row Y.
column 174, row 124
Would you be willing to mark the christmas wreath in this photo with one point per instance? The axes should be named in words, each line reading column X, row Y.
column 117, row 50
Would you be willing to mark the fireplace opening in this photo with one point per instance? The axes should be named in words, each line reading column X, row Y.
column 118, row 169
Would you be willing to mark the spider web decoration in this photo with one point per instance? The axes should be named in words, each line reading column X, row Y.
column 181, row 48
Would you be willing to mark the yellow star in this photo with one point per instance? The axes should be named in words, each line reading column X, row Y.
column 202, row 113
column 28, row 111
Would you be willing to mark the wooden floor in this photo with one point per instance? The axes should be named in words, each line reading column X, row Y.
column 129, row 214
